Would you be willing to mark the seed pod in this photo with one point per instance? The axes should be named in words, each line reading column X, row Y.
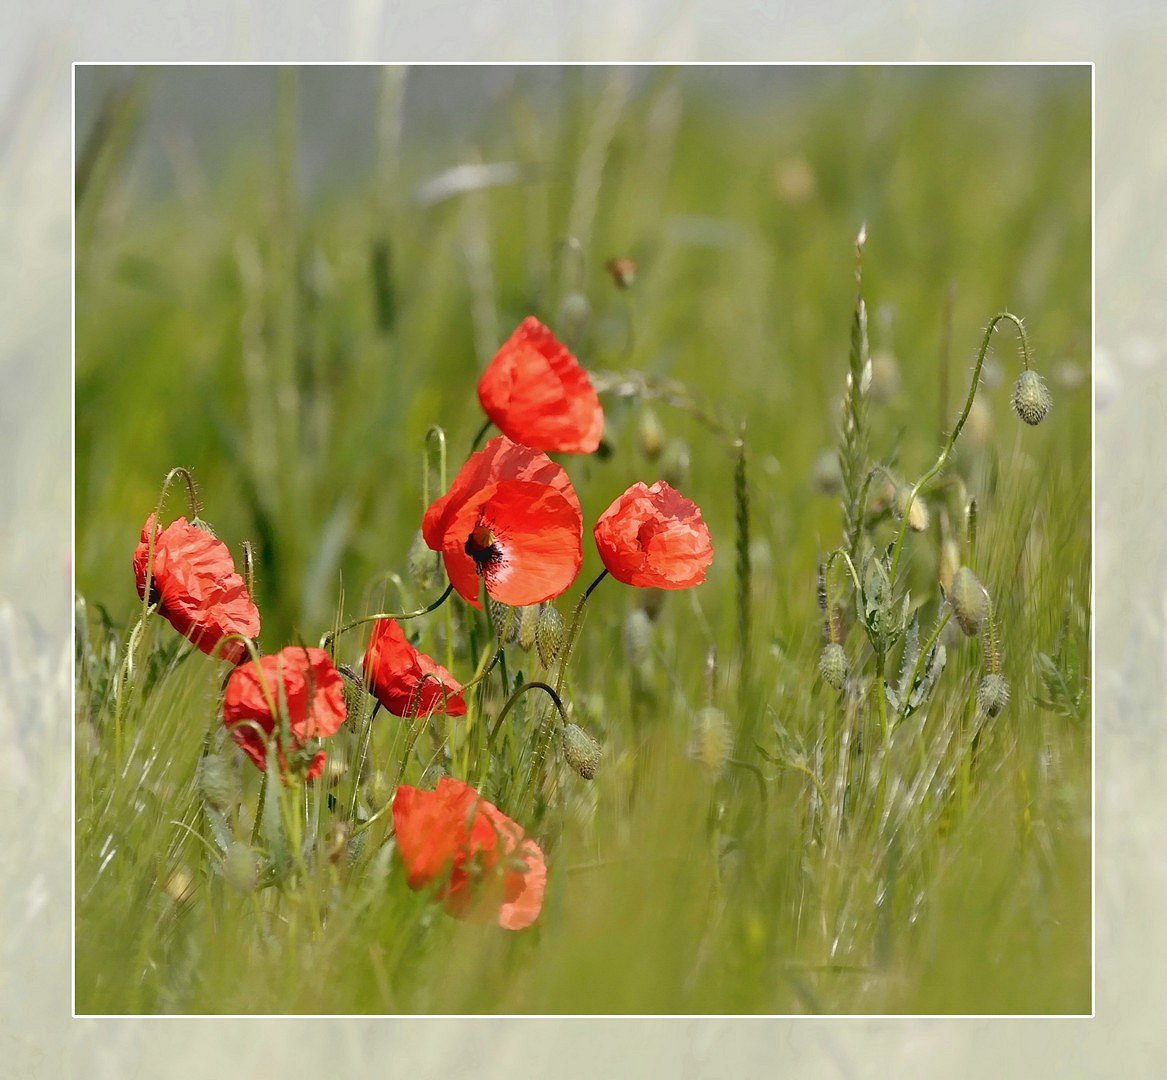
column 240, row 869
column 425, row 567
column 218, row 783
column 574, row 313
column 885, row 376
column 336, row 840
column 1031, row 398
column 992, row 694
column 833, row 665
column 548, row 634
column 529, row 625
column 581, row 751
column 969, row 600
column 652, row 435
column 637, row 638
column 712, row 740
column 505, row 620
column 917, row 512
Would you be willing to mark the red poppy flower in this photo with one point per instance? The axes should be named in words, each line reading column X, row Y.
column 512, row 517
column 481, row 859
column 305, row 682
column 536, row 393
column 395, row 672
column 653, row 537
column 196, row 587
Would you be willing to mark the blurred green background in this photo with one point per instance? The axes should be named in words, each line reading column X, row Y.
column 284, row 277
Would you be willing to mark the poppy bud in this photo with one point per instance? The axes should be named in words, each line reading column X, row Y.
column 970, row 602
column 1031, row 398
column 825, row 476
column 992, row 694
column 833, row 665
column 504, row 620
column 623, row 272
column 652, row 435
column 529, row 625
column 336, row 840
column 377, row 790
column 424, row 565
column 949, row 564
column 674, row 463
column 574, row 313
column 885, row 376
column 240, row 870
column 548, row 634
column 218, row 783
column 581, row 751
column 712, row 740
column 638, row 638
column 917, row 512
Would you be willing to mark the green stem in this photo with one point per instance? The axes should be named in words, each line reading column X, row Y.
column 942, row 460
column 327, row 639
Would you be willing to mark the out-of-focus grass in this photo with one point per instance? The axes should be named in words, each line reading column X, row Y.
column 293, row 355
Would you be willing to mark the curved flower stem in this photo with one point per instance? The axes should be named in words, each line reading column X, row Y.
column 573, row 630
column 479, row 437
column 327, row 639
column 535, row 685
column 942, row 460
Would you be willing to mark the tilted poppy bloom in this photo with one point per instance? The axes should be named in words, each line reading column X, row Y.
column 512, row 517
column 395, row 672
column 196, row 587
column 653, row 537
column 481, row 860
column 302, row 681
column 536, row 393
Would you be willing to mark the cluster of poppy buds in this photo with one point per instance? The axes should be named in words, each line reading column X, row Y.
column 510, row 525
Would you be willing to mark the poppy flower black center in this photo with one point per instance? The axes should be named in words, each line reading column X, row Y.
column 483, row 548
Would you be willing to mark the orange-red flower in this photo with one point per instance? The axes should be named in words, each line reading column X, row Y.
column 301, row 681
column 481, row 860
column 536, row 393
column 654, row 537
column 196, row 587
column 396, row 673
column 512, row 518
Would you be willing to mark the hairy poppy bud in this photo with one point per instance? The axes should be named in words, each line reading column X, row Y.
column 970, row 602
column 548, row 634
column 425, row 566
column 528, row 625
column 336, row 840
column 574, row 313
column 674, row 463
column 917, row 512
column 638, row 638
column 885, row 376
column 833, row 665
column 218, row 783
column 1031, row 398
column 652, row 435
column 240, row 870
column 581, row 751
column 949, row 563
column 504, row 619
column 992, row 694
column 712, row 740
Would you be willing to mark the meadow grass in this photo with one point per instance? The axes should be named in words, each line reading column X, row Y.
column 754, row 840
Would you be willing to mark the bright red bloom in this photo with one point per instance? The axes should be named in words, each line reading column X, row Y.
column 536, row 393
column 196, row 587
column 480, row 858
column 511, row 516
column 302, row 680
column 654, row 537
column 395, row 671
